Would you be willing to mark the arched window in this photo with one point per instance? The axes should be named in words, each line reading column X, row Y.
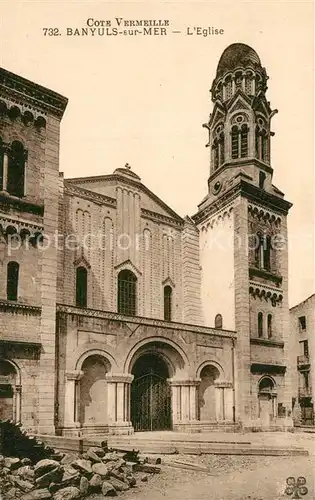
column 267, row 253
column 218, row 147
column 12, row 280
column 1, row 164
column 234, row 142
column 218, row 321
column 127, row 293
column 244, row 141
column 269, row 325
column 258, row 250
column 261, row 141
column 239, row 138
column 81, row 287
column 263, row 248
column 16, row 169
column 168, row 303
column 260, row 324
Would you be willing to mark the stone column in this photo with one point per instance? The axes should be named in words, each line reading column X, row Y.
column 17, row 405
column 118, row 391
column 72, row 399
column 5, row 169
column 224, row 401
column 233, row 85
column 184, row 397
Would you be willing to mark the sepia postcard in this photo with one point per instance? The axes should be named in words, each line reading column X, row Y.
column 157, row 302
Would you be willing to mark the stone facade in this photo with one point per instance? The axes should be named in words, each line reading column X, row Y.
column 124, row 316
column 302, row 318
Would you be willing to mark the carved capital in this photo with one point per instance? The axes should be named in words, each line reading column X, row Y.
column 119, row 378
column 74, row 375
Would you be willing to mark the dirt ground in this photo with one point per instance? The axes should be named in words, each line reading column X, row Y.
column 229, row 477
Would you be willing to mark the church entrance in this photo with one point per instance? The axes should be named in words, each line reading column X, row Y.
column 9, row 392
column 150, row 394
column 267, row 401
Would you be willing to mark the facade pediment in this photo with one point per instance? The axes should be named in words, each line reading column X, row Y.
column 239, row 102
column 109, row 186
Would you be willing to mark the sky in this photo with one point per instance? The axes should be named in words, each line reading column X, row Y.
column 143, row 100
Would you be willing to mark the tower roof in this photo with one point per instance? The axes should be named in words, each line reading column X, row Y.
column 237, row 55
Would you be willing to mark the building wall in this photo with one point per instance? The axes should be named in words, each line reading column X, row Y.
column 158, row 252
column 299, row 335
column 217, row 264
column 27, row 325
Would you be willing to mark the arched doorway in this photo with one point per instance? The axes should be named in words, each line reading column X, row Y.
column 93, row 391
column 208, row 400
column 267, row 396
column 150, row 394
column 9, row 392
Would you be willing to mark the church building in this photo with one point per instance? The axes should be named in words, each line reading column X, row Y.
column 117, row 314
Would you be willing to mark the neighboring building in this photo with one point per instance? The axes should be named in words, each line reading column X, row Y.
column 148, row 320
column 303, row 335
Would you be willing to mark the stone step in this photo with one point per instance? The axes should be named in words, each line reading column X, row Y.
column 196, row 448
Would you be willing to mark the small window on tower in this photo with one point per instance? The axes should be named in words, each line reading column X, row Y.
column 302, row 323
column 260, row 324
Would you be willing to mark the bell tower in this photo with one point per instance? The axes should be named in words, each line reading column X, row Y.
column 243, row 240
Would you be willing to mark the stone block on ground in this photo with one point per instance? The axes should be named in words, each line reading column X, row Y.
column 55, row 475
column 97, row 450
column 12, row 463
column 148, row 469
column 26, row 472
column 84, row 466
column 108, row 490
column 95, row 482
column 84, row 486
column 23, row 485
column 69, row 493
column 69, row 458
column 118, row 485
column 101, row 469
column 44, row 466
column 90, row 455
column 42, row 494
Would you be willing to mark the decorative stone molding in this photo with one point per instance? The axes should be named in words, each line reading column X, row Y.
column 267, row 275
column 8, row 202
column 155, row 217
column 17, row 348
column 119, row 378
column 138, row 320
column 262, row 291
column 261, row 213
column 21, row 227
column 18, row 112
column 127, row 264
column 268, row 368
column 21, row 91
column 223, row 384
column 186, row 383
column 98, row 199
column 266, row 342
column 168, row 281
column 19, row 308
column 74, row 375
column 220, row 216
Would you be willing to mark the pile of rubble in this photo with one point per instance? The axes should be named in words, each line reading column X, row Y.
column 93, row 475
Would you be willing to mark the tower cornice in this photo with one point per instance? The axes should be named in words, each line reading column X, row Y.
column 251, row 193
column 20, row 89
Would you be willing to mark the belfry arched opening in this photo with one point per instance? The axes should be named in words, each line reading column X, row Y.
column 150, row 394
